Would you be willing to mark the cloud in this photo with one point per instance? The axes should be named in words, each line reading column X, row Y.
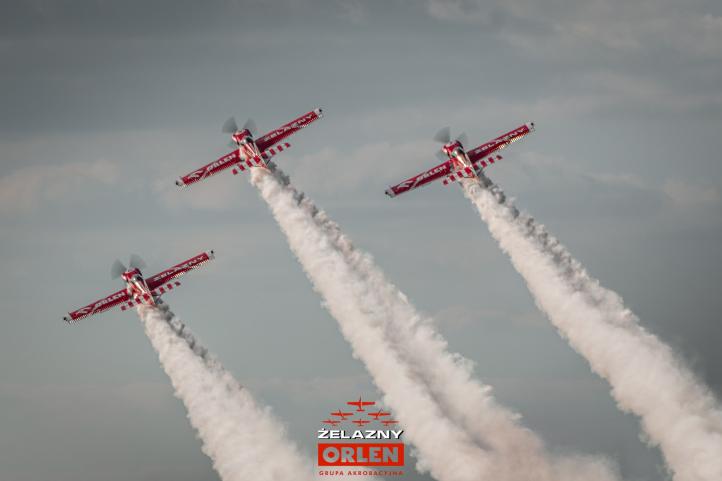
column 467, row 11
column 29, row 187
column 611, row 194
column 222, row 192
column 333, row 171
column 315, row 390
column 78, row 398
column 353, row 11
column 623, row 27
column 680, row 193
column 685, row 194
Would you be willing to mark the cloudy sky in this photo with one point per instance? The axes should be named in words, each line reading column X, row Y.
column 105, row 103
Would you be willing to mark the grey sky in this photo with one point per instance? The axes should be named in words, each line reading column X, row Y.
column 104, row 103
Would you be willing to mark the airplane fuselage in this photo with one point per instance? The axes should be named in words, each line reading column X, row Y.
column 247, row 148
column 457, row 155
column 137, row 288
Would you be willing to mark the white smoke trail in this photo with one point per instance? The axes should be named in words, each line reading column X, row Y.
column 244, row 441
column 389, row 335
column 678, row 413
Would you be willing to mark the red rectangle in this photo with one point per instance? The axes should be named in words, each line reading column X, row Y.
column 360, row 454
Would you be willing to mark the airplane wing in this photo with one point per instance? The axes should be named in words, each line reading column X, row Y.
column 275, row 136
column 499, row 143
column 208, row 170
column 179, row 269
column 113, row 300
column 424, row 178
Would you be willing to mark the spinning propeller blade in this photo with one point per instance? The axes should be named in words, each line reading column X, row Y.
column 117, row 269
column 250, row 125
column 443, row 136
column 230, row 126
column 462, row 138
column 136, row 262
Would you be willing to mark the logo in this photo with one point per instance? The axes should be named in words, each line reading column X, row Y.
column 415, row 181
column 365, row 441
column 295, row 125
column 99, row 305
column 180, row 268
column 205, row 171
column 501, row 142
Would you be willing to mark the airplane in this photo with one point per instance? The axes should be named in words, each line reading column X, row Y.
column 389, row 422
column 359, row 404
column 250, row 152
column 378, row 414
column 360, row 422
column 341, row 414
column 459, row 163
column 138, row 289
column 332, row 422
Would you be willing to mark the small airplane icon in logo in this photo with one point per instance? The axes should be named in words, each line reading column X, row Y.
column 341, row 414
column 360, row 404
column 332, row 422
column 389, row 422
column 379, row 414
column 360, row 422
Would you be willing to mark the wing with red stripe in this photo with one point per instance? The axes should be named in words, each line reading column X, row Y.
column 500, row 142
column 275, row 136
column 98, row 306
column 424, row 178
column 208, row 170
column 179, row 269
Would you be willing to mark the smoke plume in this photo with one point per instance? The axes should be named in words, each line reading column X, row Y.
column 678, row 413
column 244, row 441
column 458, row 429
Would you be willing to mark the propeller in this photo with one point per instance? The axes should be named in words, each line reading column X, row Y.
column 230, row 126
column 117, row 269
column 443, row 136
column 250, row 125
column 136, row 262
column 462, row 138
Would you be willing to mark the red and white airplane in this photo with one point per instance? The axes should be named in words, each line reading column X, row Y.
column 341, row 414
column 332, row 422
column 139, row 290
column 459, row 163
column 379, row 414
column 250, row 152
column 360, row 404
